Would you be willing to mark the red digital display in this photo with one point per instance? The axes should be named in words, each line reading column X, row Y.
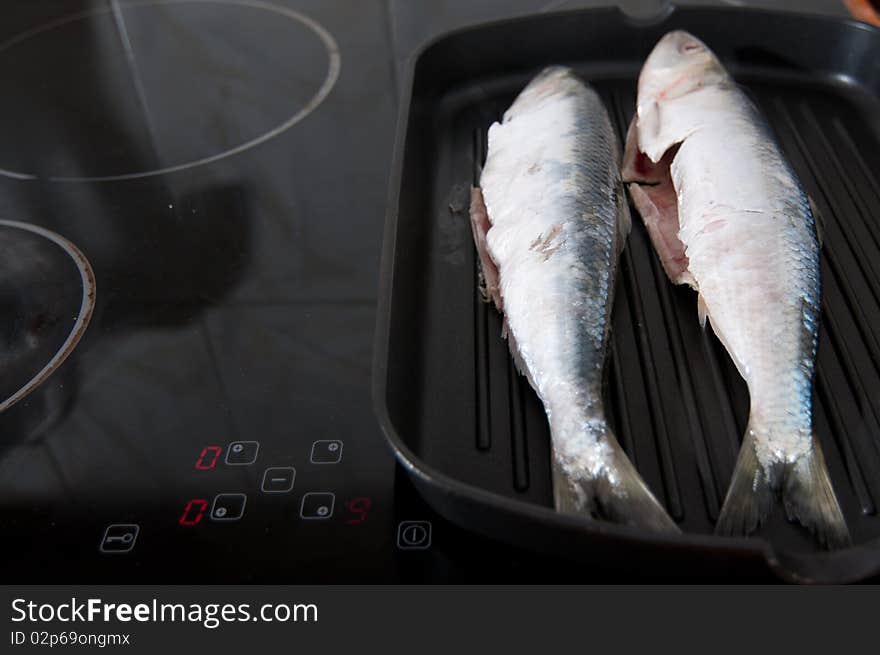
column 193, row 512
column 208, row 458
column 358, row 508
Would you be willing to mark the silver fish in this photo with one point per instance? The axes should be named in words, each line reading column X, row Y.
column 728, row 216
column 549, row 221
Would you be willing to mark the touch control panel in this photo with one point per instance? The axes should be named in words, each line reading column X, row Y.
column 253, row 479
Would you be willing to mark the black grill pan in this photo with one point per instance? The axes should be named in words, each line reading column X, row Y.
column 472, row 433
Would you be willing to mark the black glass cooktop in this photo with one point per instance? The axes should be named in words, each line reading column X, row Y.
column 188, row 400
column 192, row 196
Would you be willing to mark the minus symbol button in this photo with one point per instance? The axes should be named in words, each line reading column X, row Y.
column 278, row 479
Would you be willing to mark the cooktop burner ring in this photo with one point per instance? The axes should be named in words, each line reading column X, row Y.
column 84, row 315
column 334, row 65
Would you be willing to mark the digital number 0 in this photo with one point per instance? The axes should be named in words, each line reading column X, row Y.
column 193, row 511
column 208, row 457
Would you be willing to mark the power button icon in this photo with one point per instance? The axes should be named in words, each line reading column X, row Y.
column 414, row 535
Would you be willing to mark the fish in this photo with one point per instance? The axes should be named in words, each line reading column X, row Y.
column 549, row 220
column 728, row 216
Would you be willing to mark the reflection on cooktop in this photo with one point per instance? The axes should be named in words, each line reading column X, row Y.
column 118, row 114
column 47, row 293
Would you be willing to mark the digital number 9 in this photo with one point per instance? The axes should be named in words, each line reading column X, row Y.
column 360, row 507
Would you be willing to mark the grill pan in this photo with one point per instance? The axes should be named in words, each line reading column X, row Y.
column 469, row 429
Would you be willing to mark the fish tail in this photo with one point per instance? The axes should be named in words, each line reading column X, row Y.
column 751, row 493
column 805, row 489
column 617, row 494
column 809, row 499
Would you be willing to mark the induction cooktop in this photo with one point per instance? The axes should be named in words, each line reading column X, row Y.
column 192, row 195
column 191, row 204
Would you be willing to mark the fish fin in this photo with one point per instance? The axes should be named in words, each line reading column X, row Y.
column 818, row 220
column 807, row 496
column 647, row 122
column 480, row 225
column 637, row 166
column 660, row 128
column 515, row 354
column 702, row 310
column 809, row 499
column 751, row 493
column 618, row 494
column 719, row 334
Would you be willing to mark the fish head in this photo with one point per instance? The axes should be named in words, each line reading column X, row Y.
column 679, row 64
column 549, row 83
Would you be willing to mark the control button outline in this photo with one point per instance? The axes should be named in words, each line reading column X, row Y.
column 214, row 517
column 302, row 505
column 404, row 543
column 229, row 451
column 115, row 551
column 330, row 441
column 278, row 491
